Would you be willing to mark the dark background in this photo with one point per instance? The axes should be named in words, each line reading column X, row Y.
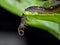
column 9, row 22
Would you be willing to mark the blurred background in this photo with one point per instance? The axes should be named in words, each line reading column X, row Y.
column 9, row 23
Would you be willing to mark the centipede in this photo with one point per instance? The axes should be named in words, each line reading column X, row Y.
column 51, row 9
column 43, row 10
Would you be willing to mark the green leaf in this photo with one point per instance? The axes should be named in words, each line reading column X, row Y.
column 19, row 7
column 49, row 26
column 49, row 23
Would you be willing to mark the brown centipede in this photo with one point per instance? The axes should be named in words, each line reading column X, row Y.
column 51, row 9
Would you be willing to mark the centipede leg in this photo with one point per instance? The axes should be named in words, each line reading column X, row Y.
column 22, row 25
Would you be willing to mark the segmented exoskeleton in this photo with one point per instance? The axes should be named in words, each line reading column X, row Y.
column 43, row 10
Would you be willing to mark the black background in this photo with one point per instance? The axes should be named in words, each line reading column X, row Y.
column 9, row 22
